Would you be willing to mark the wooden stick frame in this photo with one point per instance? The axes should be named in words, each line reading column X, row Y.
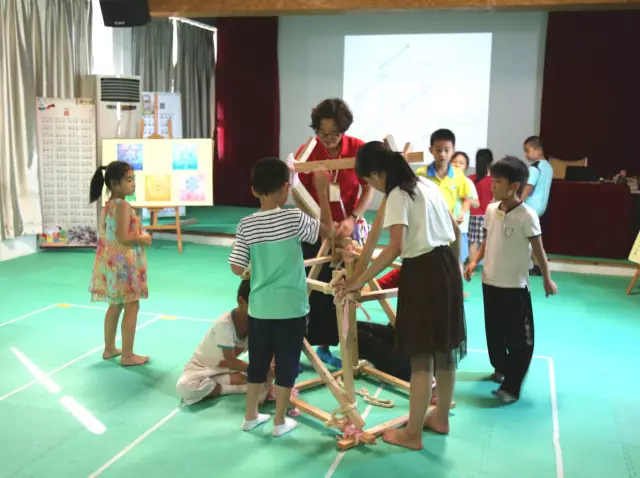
column 349, row 344
column 633, row 282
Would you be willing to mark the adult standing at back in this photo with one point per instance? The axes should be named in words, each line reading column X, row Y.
column 349, row 196
column 536, row 192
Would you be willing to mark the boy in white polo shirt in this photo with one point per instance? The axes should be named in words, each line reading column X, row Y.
column 214, row 368
column 270, row 240
column 512, row 229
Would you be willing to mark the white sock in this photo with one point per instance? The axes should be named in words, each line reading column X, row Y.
column 288, row 425
column 232, row 389
column 259, row 420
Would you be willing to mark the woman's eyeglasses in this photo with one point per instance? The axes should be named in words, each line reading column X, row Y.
column 328, row 135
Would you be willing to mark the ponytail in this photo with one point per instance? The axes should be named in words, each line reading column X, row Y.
column 484, row 158
column 376, row 157
column 400, row 174
column 97, row 184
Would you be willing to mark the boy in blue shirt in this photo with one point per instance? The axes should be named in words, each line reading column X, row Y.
column 536, row 192
column 270, row 241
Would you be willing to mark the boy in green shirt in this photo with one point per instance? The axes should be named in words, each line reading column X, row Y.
column 270, row 240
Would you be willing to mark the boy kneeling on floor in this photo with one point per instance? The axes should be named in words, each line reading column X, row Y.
column 214, row 368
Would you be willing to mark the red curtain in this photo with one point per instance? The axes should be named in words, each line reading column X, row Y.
column 591, row 90
column 247, row 104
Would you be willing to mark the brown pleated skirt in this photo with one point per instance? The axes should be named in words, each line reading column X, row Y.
column 430, row 317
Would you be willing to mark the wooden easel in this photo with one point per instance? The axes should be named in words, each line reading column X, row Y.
column 634, row 256
column 351, row 366
column 154, row 226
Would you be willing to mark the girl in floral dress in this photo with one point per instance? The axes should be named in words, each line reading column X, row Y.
column 120, row 268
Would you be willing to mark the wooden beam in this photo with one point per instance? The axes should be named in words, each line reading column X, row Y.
column 326, row 165
column 310, row 409
column 317, row 260
column 348, row 443
column 384, row 303
column 372, row 240
column 235, row 8
column 378, row 295
column 307, row 150
column 415, row 157
column 386, row 378
column 314, row 284
column 353, row 415
column 314, row 382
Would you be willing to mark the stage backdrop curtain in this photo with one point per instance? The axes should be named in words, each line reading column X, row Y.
column 194, row 74
column 247, row 104
column 36, row 59
column 591, row 98
column 152, row 55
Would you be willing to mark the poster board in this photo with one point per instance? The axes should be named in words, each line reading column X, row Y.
column 169, row 108
column 169, row 172
column 634, row 255
column 66, row 130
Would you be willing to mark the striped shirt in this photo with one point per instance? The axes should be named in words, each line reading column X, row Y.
column 270, row 241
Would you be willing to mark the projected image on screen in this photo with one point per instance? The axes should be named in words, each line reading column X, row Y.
column 411, row 85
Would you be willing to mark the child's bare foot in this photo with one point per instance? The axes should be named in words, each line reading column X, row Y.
column 133, row 360
column 434, row 402
column 403, row 439
column 436, row 424
column 107, row 354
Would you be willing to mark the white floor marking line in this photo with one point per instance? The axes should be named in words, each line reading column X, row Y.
column 554, row 418
column 71, row 362
column 135, row 442
column 556, row 423
column 41, row 377
column 28, row 315
column 179, row 317
column 83, row 415
column 554, row 411
column 365, row 414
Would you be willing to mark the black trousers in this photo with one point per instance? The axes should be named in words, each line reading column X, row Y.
column 323, row 320
column 508, row 320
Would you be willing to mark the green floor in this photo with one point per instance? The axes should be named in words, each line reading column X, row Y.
column 587, row 349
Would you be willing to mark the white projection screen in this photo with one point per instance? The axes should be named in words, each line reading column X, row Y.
column 411, row 85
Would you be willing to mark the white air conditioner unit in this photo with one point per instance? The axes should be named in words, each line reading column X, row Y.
column 118, row 101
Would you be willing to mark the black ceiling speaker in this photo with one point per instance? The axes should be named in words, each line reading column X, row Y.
column 125, row 13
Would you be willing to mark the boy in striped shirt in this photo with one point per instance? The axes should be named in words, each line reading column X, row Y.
column 270, row 240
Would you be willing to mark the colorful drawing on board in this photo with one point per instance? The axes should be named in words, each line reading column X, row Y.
column 185, row 157
column 148, row 105
column 157, row 188
column 192, row 188
column 132, row 154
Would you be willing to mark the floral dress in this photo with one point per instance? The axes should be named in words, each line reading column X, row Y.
column 120, row 270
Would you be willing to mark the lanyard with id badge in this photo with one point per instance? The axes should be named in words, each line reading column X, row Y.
column 361, row 228
column 334, row 192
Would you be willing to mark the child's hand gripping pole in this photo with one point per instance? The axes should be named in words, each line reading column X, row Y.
column 291, row 160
